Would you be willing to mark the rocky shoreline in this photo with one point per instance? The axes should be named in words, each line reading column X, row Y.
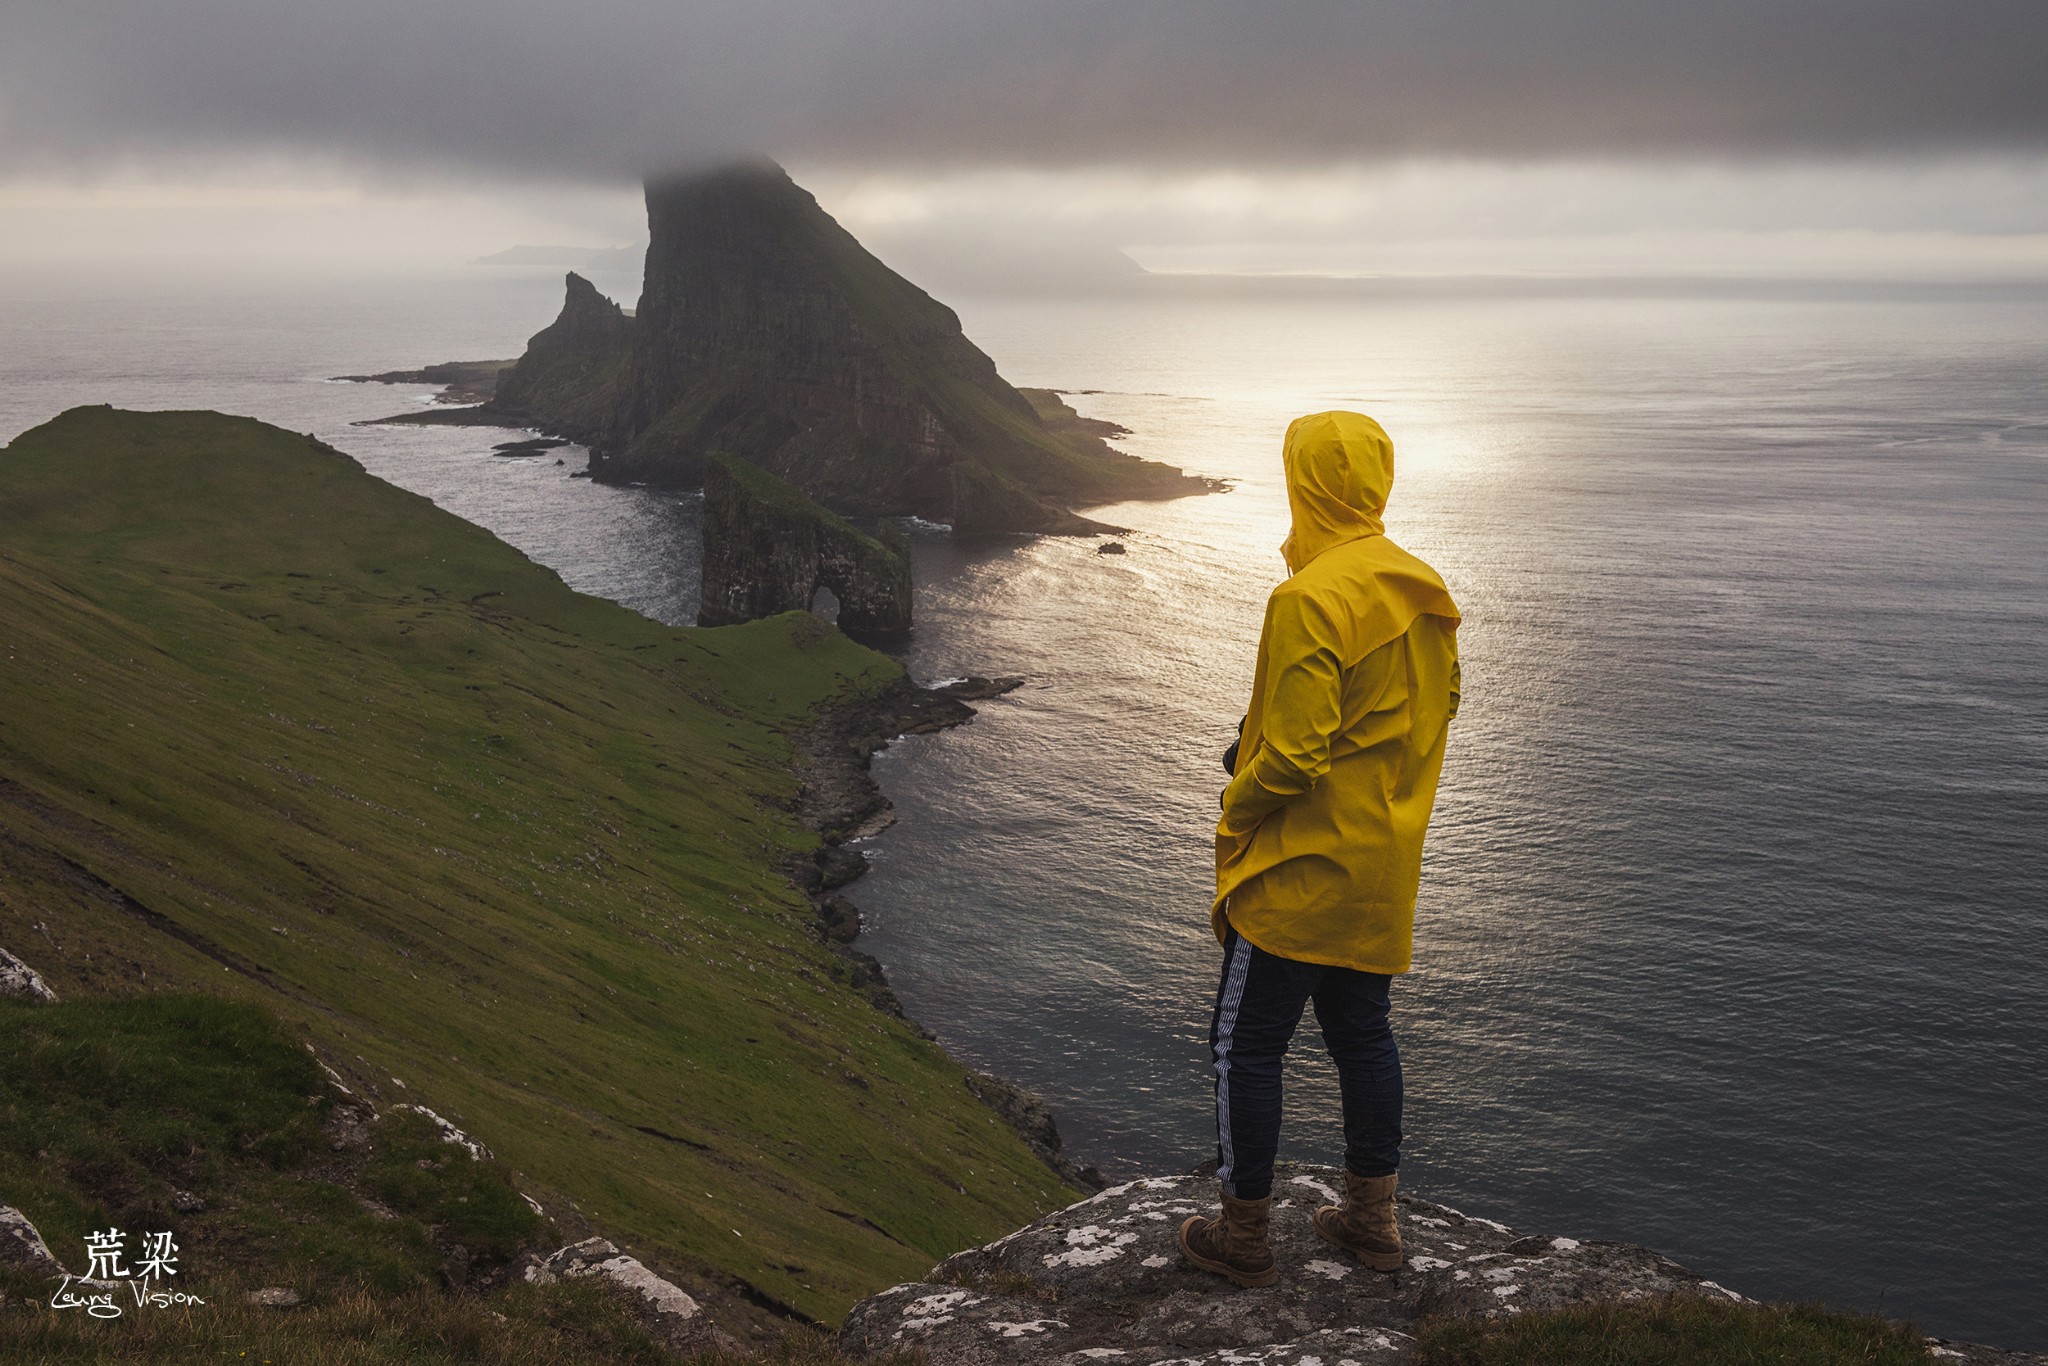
column 463, row 382
column 840, row 800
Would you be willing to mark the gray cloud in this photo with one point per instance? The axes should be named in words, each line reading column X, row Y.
column 603, row 89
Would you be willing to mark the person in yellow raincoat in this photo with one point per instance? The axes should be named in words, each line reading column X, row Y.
column 1319, row 849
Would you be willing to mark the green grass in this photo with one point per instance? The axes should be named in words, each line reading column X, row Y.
column 416, row 1172
column 996, row 426
column 118, row 1113
column 273, row 729
column 792, row 502
column 572, row 1323
column 204, row 1118
column 568, row 1322
column 1676, row 1332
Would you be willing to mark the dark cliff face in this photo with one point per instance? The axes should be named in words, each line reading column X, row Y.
column 767, row 331
column 569, row 378
column 768, row 549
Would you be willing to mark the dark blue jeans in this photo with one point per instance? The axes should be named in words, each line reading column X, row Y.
column 1258, row 1004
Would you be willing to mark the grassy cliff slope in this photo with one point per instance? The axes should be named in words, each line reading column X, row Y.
column 273, row 729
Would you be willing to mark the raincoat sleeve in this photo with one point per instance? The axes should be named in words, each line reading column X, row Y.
column 1457, row 681
column 1298, row 716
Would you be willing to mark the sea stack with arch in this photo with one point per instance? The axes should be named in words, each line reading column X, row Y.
column 769, row 549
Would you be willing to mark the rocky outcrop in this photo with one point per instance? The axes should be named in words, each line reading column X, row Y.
column 461, row 381
column 1103, row 1281
column 572, row 368
column 666, row 1308
column 273, row 1297
column 981, row 499
column 24, row 983
column 838, row 797
column 840, row 800
column 22, row 1246
column 1026, row 1112
column 769, row 549
column 449, row 1133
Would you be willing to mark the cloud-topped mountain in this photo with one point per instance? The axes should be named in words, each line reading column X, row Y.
column 767, row 332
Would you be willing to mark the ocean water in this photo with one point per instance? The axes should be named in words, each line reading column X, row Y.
column 1734, row 927
column 266, row 340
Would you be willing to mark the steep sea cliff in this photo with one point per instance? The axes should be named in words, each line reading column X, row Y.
column 766, row 332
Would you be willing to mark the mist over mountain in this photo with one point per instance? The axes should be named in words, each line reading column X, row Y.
column 767, row 331
column 943, row 256
column 570, row 258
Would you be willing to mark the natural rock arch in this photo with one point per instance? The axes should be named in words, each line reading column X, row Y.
column 769, row 549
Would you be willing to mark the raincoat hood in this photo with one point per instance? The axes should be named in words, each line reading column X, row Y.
column 1340, row 469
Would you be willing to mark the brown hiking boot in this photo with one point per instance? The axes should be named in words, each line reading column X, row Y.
column 1234, row 1245
column 1364, row 1224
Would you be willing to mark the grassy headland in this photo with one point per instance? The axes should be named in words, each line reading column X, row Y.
column 272, row 729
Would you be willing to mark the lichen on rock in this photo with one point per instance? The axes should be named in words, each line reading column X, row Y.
column 1103, row 1281
column 671, row 1312
column 19, row 980
column 21, row 1245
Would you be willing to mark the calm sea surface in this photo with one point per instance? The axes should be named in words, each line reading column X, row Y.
column 1734, row 928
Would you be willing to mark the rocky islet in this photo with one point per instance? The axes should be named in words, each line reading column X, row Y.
column 766, row 332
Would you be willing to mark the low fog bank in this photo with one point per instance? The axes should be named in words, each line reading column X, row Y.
column 1111, row 230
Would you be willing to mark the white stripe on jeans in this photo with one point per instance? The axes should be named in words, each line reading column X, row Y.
column 1226, row 1024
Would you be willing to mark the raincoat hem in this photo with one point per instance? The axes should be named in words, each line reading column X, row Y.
column 1320, row 960
column 1352, row 693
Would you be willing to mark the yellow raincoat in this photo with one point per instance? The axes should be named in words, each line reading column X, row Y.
column 1319, row 850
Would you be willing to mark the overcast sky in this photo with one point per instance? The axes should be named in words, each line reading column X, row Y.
column 1178, row 127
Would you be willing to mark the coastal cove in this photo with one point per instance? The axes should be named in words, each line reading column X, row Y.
column 1682, row 905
